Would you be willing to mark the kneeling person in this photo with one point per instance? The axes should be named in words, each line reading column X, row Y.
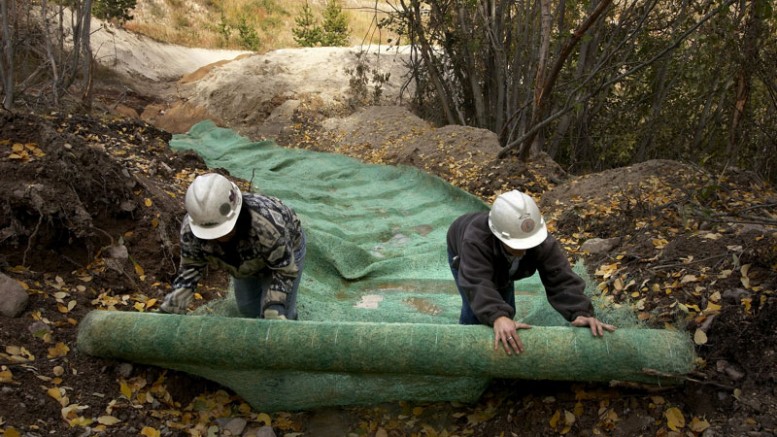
column 256, row 238
column 488, row 251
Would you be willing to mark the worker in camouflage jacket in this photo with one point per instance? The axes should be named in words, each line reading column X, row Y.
column 256, row 238
column 488, row 251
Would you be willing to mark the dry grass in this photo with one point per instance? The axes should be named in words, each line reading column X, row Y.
column 214, row 23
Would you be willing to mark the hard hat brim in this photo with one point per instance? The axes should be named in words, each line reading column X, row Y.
column 525, row 243
column 217, row 231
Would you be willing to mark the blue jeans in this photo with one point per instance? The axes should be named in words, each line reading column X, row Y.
column 468, row 317
column 250, row 292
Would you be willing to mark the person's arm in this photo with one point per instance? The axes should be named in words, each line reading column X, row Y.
column 189, row 274
column 284, row 272
column 277, row 251
column 476, row 270
column 183, row 289
column 565, row 289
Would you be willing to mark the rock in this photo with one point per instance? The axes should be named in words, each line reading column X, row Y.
column 734, row 296
column 235, row 426
column 599, row 245
column 39, row 329
column 281, row 116
column 118, row 251
column 124, row 110
column 265, row 431
column 13, row 298
column 124, row 370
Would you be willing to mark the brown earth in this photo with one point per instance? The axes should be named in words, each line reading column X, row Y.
column 90, row 215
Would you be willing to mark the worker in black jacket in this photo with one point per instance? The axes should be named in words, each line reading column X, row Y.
column 488, row 251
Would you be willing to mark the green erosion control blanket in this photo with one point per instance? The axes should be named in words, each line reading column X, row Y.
column 377, row 304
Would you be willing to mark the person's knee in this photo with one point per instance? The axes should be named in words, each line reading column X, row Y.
column 250, row 311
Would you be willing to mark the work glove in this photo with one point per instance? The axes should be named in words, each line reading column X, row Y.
column 169, row 307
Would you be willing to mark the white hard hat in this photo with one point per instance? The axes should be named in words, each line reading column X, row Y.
column 213, row 203
column 515, row 219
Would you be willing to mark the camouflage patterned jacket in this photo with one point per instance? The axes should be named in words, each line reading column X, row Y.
column 268, row 234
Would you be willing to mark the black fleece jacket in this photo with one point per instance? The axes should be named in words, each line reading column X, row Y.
column 484, row 271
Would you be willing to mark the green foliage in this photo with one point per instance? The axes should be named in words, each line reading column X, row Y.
column 332, row 32
column 335, row 25
column 113, row 9
column 246, row 33
column 248, row 36
column 307, row 33
column 224, row 29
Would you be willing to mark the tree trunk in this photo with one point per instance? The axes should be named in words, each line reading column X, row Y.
column 751, row 42
column 427, row 54
column 6, row 60
column 87, row 63
column 550, row 80
column 661, row 85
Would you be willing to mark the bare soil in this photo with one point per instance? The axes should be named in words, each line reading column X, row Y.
column 696, row 251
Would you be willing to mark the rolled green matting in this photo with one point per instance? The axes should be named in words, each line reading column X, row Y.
column 243, row 354
column 378, row 308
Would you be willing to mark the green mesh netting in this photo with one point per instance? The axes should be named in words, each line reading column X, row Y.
column 377, row 304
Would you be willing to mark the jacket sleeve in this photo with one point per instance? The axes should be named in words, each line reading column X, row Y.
column 476, row 273
column 189, row 274
column 284, row 271
column 564, row 288
column 278, row 255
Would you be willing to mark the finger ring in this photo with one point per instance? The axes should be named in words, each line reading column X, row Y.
column 509, row 338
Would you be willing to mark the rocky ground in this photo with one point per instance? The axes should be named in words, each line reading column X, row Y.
column 90, row 215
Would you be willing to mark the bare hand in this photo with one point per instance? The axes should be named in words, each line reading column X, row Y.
column 597, row 326
column 505, row 331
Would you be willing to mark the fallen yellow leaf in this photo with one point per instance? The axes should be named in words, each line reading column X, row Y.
column 58, row 350
column 712, row 308
column 554, row 419
column 264, row 417
column 150, row 432
column 6, row 376
column 108, row 420
column 80, row 421
column 700, row 337
column 125, row 389
column 54, row 393
column 138, row 269
column 674, row 419
column 698, row 425
column 659, row 243
column 569, row 420
column 579, row 410
column 747, row 303
column 658, row 400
